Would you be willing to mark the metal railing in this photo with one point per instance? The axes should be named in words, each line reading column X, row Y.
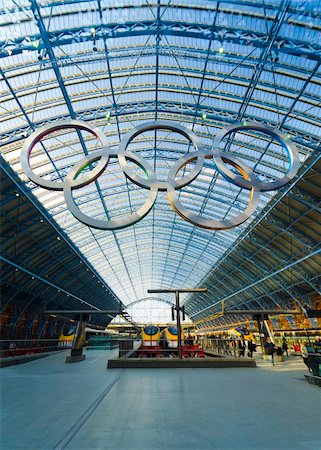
column 21, row 347
column 219, row 346
column 200, row 348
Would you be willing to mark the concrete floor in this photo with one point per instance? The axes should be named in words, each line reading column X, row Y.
column 47, row 404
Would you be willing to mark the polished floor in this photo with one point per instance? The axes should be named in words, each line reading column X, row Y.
column 47, row 404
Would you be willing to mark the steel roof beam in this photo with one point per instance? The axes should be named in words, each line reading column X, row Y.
column 304, row 170
column 42, row 213
column 271, row 275
column 312, row 12
column 48, row 45
column 197, row 107
column 264, row 55
column 119, row 135
column 61, row 289
column 169, row 107
column 167, row 28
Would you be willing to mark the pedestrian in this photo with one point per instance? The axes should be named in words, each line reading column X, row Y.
column 190, row 340
column 317, row 345
column 250, row 348
column 241, row 346
column 270, row 349
column 285, row 346
column 304, row 353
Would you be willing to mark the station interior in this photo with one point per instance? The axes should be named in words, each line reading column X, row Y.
column 160, row 224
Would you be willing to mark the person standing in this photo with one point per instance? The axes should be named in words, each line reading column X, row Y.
column 304, row 353
column 241, row 346
column 250, row 348
column 270, row 349
column 285, row 346
column 317, row 345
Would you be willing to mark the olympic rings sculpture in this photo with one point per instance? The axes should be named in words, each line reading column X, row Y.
column 247, row 178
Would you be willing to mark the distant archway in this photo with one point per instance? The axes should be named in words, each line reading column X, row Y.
column 157, row 299
column 151, row 310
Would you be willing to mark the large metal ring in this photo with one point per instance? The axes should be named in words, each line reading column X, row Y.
column 248, row 184
column 112, row 224
column 246, row 180
column 212, row 224
column 160, row 125
column 36, row 137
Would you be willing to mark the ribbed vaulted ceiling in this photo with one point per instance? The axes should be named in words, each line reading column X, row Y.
column 116, row 64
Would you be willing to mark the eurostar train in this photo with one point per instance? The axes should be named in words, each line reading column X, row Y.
column 150, row 336
column 241, row 331
column 68, row 334
column 170, row 338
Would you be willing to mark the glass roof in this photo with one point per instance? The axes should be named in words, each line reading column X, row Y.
column 117, row 64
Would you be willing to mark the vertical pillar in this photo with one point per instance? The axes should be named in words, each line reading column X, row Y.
column 76, row 354
column 264, row 331
column 178, row 321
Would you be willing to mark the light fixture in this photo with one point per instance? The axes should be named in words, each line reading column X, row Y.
column 58, row 238
column 221, row 50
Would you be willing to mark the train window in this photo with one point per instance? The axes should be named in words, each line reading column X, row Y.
column 242, row 330
column 173, row 330
column 151, row 330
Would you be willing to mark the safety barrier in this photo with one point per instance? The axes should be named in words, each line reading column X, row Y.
column 222, row 347
column 22, row 347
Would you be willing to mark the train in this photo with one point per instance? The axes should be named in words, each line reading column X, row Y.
column 169, row 337
column 241, row 331
column 68, row 333
column 151, row 336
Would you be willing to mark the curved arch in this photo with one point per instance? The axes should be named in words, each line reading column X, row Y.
column 157, row 299
column 238, row 71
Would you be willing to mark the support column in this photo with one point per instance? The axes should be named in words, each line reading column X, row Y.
column 178, row 309
column 76, row 354
column 178, row 321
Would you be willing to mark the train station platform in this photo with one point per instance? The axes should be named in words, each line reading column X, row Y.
column 47, row 404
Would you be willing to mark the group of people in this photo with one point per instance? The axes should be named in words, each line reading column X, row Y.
column 271, row 349
column 242, row 345
column 305, row 348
